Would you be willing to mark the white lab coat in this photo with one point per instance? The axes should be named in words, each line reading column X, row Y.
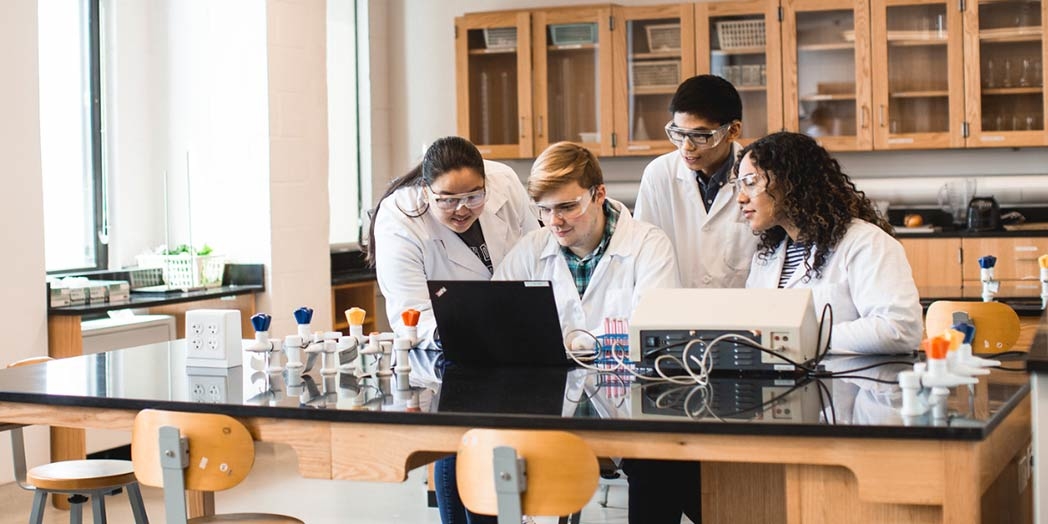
column 638, row 257
column 411, row 250
column 713, row 248
column 868, row 282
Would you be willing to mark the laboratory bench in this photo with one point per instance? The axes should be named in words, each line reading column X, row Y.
column 1037, row 365
column 774, row 448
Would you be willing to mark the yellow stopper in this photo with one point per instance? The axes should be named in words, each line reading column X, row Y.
column 355, row 316
column 956, row 338
column 1043, row 261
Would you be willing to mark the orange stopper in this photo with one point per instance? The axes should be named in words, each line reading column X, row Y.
column 410, row 317
column 355, row 316
column 935, row 347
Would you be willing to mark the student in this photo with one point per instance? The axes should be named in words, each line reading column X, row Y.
column 597, row 256
column 600, row 261
column 818, row 231
column 685, row 193
column 453, row 217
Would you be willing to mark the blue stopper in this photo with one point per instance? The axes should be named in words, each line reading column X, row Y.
column 987, row 261
column 968, row 330
column 304, row 315
column 261, row 321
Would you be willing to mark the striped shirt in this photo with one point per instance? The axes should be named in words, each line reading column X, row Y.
column 794, row 257
column 582, row 268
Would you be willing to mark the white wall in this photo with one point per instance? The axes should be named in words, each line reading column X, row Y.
column 22, row 214
column 421, row 84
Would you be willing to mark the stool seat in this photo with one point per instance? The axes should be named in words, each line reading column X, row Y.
column 246, row 518
column 81, row 475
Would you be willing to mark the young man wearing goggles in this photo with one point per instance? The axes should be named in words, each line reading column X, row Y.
column 687, row 194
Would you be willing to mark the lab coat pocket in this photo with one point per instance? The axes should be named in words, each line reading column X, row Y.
column 618, row 303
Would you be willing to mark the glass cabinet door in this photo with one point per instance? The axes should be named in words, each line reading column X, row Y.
column 656, row 51
column 826, row 65
column 739, row 41
column 573, row 78
column 493, row 71
column 918, row 88
column 1005, row 50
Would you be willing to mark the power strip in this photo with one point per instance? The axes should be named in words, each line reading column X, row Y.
column 210, row 386
column 213, row 338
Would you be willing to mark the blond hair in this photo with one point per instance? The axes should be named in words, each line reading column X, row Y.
column 561, row 164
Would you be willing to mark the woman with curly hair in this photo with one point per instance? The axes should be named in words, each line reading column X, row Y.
column 817, row 230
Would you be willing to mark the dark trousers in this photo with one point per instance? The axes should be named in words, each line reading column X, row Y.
column 448, row 501
column 660, row 491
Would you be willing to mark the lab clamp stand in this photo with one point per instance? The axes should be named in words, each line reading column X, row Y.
column 357, row 353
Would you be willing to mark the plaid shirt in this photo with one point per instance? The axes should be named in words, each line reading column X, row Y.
column 582, row 268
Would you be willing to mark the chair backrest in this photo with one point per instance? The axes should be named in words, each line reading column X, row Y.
column 221, row 450
column 561, row 470
column 18, row 460
column 28, row 361
column 996, row 324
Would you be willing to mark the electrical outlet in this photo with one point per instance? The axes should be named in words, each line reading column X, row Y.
column 209, row 389
column 213, row 338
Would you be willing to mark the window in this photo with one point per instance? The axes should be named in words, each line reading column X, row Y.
column 70, row 135
column 343, row 145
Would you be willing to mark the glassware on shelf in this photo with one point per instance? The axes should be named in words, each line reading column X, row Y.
column 1006, row 74
column 998, row 123
column 1031, row 122
column 988, row 74
column 1025, row 73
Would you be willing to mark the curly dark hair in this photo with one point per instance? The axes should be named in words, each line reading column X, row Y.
column 812, row 193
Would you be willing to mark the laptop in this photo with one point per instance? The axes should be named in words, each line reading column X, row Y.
column 498, row 322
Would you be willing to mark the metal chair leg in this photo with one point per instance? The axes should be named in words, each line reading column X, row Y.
column 138, row 509
column 76, row 509
column 604, row 489
column 98, row 507
column 39, row 503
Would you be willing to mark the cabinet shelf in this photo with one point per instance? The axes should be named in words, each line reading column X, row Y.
column 751, row 89
column 841, row 46
column 916, row 43
column 1012, row 34
column 572, row 47
column 654, row 90
column 828, row 97
column 658, row 55
column 494, row 51
column 757, row 50
column 1013, row 91
column 931, row 93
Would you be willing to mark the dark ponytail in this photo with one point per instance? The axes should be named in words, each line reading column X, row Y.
column 446, row 154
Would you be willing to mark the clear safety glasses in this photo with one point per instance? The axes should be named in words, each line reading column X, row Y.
column 752, row 184
column 567, row 210
column 697, row 138
column 472, row 200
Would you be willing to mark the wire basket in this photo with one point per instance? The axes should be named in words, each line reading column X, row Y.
column 187, row 271
column 500, row 37
column 573, row 34
column 656, row 73
column 663, row 37
column 735, row 34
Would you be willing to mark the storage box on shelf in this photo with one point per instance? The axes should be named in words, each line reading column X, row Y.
column 737, row 34
column 187, row 271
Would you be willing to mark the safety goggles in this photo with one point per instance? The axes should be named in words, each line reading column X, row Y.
column 471, row 200
column 697, row 138
column 566, row 210
column 752, row 184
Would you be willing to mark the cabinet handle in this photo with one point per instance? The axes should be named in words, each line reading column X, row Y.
column 882, row 115
column 865, row 115
column 523, row 130
column 539, row 133
column 1026, row 248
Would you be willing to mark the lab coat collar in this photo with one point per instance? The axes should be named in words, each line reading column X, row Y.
column 458, row 252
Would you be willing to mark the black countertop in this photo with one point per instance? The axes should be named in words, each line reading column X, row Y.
column 138, row 300
column 154, row 376
column 964, row 233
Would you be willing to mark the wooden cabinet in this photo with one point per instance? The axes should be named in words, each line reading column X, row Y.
column 826, row 72
column 949, row 267
column 654, row 52
column 1004, row 54
column 739, row 41
column 493, row 73
column 860, row 75
column 353, row 294
column 936, row 265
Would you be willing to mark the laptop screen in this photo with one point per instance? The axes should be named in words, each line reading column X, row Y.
column 498, row 322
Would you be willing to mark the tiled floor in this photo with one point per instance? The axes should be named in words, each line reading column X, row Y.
column 274, row 486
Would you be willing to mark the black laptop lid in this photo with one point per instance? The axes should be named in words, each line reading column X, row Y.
column 498, row 322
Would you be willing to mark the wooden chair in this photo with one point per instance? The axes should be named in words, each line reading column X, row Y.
column 82, row 480
column 996, row 324
column 199, row 451
column 511, row 473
